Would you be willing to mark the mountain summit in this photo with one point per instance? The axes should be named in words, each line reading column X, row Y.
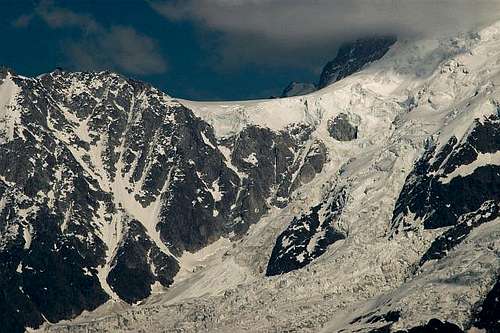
column 351, row 58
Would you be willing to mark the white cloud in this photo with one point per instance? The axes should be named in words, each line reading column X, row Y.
column 300, row 20
column 276, row 30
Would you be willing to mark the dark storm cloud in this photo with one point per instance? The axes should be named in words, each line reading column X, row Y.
column 99, row 47
column 251, row 28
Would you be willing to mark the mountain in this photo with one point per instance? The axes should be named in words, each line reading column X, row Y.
column 369, row 206
column 351, row 58
column 107, row 181
column 298, row 89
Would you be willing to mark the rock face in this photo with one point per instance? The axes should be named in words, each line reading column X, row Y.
column 131, row 275
column 353, row 56
column 308, row 236
column 312, row 164
column 341, row 128
column 443, row 188
column 487, row 318
column 434, row 325
column 450, row 239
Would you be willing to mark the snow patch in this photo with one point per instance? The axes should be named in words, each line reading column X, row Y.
column 468, row 169
column 251, row 159
column 10, row 112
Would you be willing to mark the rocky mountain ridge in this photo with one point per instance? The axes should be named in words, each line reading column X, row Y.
column 125, row 180
column 351, row 58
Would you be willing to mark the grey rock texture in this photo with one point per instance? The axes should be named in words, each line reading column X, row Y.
column 440, row 203
column 131, row 276
column 353, row 56
column 308, row 236
column 312, row 164
column 341, row 129
column 270, row 160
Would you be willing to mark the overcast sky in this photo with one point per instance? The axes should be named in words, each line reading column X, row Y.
column 215, row 49
column 301, row 32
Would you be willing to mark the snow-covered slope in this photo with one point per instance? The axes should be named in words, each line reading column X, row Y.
column 298, row 89
column 370, row 205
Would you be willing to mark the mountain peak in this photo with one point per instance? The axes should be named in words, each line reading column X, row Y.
column 4, row 70
column 353, row 56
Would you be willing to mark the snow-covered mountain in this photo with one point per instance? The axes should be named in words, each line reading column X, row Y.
column 298, row 89
column 371, row 205
column 351, row 58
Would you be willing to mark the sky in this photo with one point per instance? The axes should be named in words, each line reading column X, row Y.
column 214, row 49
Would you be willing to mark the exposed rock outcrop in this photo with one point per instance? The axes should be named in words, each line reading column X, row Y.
column 341, row 128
